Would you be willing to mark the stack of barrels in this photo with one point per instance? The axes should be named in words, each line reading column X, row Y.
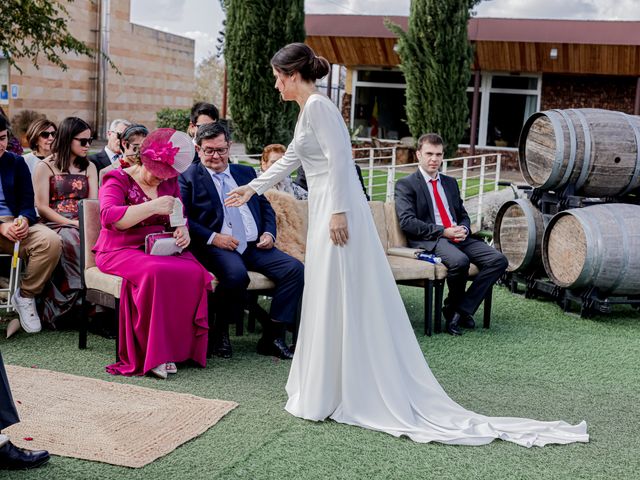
column 592, row 153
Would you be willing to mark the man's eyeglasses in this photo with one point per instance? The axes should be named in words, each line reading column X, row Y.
column 211, row 152
column 46, row 135
column 84, row 141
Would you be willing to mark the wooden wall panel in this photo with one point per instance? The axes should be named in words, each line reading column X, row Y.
column 493, row 55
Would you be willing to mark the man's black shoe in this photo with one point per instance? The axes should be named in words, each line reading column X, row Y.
column 222, row 346
column 274, row 348
column 452, row 325
column 14, row 458
column 467, row 321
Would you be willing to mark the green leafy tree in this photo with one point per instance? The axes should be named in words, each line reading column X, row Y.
column 255, row 30
column 35, row 28
column 436, row 58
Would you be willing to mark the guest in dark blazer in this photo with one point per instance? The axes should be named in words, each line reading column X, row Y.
column 111, row 153
column 432, row 216
column 12, row 457
column 40, row 245
column 229, row 241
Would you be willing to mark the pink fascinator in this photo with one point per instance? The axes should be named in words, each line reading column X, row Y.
column 166, row 152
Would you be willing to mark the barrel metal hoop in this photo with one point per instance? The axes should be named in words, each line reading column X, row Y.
column 572, row 147
column 635, row 179
column 586, row 159
column 592, row 263
column 625, row 247
column 552, row 181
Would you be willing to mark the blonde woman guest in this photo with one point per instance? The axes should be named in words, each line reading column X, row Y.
column 270, row 155
column 357, row 360
column 60, row 182
column 40, row 136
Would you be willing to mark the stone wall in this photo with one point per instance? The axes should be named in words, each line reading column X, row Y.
column 594, row 91
column 156, row 71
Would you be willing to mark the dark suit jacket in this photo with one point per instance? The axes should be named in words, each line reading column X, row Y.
column 100, row 159
column 17, row 186
column 415, row 209
column 205, row 210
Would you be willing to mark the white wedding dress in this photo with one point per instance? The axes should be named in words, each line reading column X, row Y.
column 357, row 359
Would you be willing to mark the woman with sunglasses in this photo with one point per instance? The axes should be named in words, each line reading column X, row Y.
column 60, row 182
column 130, row 140
column 40, row 136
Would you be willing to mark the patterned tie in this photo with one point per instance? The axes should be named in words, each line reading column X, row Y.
column 444, row 215
column 232, row 216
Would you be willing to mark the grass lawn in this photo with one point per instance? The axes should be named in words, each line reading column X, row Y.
column 535, row 362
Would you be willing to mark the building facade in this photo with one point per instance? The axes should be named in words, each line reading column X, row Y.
column 520, row 67
column 154, row 70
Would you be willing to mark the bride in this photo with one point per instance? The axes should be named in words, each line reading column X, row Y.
column 357, row 360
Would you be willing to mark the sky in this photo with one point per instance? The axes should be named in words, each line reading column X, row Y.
column 202, row 19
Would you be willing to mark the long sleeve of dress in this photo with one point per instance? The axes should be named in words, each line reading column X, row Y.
column 113, row 203
column 332, row 136
column 276, row 172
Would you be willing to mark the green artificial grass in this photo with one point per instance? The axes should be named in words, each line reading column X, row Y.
column 535, row 362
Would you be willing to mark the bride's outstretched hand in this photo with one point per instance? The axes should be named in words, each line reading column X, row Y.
column 239, row 196
column 338, row 229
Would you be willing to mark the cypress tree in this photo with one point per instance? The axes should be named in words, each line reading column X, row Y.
column 436, row 59
column 255, row 31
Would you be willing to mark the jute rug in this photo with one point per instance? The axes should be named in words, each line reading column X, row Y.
column 106, row 422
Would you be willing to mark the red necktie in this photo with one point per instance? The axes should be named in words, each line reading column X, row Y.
column 444, row 215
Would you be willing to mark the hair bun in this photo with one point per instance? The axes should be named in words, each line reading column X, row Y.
column 320, row 67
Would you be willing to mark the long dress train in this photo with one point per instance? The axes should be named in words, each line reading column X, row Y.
column 357, row 360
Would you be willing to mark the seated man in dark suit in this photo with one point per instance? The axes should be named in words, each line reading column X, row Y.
column 111, row 153
column 12, row 457
column 228, row 241
column 432, row 216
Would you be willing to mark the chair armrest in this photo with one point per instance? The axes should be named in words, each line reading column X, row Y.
column 404, row 252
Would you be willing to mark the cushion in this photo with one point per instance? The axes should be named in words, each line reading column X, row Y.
column 291, row 223
column 394, row 233
column 377, row 210
column 97, row 280
column 260, row 282
column 90, row 228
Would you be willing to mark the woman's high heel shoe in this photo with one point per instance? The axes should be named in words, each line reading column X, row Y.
column 160, row 371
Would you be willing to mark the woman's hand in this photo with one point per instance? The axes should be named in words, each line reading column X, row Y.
column 338, row 229
column 181, row 234
column 163, row 205
column 239, row 196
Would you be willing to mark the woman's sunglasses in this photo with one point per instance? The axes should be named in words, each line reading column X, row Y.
column 84, row 141
column 46, row 135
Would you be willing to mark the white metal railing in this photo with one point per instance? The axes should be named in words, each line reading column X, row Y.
column 477, row 175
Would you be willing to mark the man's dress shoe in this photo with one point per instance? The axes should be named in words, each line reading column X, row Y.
column 14, row 458
column 467, row 321
column 222, row 346
column 274, row 348
column 452, row 326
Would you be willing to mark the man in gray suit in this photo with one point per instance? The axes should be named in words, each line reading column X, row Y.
column 432, row 216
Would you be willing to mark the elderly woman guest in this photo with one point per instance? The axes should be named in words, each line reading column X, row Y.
column 130, row 140
column 270, row 155
column 60, row 182
column 163, row 305
column 40, row 136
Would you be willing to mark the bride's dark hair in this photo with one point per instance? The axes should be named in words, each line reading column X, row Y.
column 298, row 57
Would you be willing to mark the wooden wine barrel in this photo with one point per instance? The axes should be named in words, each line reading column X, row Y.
column 597, row 150
column 595, row 246
column 518, row 233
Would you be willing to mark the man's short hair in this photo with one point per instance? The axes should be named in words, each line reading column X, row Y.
column 118, row 121
column 431, row 139
column 204, row 108
column 211, row 130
